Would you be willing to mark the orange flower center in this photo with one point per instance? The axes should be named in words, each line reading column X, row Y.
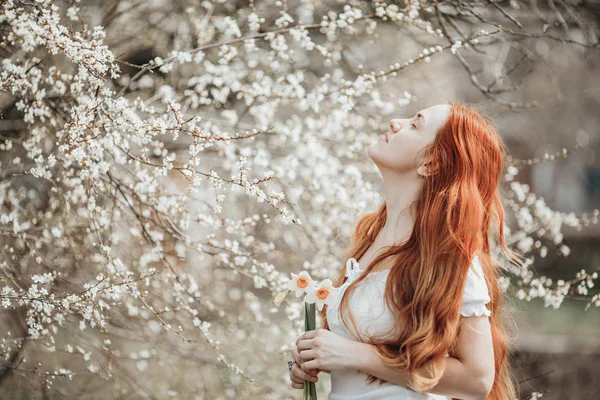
column 322, row 293
column 302, row 282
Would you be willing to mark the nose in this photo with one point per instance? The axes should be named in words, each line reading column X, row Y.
column 395, row 126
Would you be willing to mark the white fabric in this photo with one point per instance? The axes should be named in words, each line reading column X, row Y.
column 476, row 294
column 374, row 317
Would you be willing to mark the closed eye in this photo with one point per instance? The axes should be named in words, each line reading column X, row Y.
column 419, row 115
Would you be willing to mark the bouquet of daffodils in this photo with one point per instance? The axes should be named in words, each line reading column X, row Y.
column 320, row 294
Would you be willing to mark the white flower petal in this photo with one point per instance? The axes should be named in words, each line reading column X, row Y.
column 332, row 297
column 306, row 275
column 320, row 304
column 310, row 298
column 325, row 283
column 291, row 284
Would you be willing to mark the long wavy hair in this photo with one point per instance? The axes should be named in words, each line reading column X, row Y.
column 454, row 219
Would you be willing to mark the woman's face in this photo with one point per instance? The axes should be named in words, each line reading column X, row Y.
column 400, row 148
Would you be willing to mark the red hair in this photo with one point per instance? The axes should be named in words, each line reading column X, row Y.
column 453, row 220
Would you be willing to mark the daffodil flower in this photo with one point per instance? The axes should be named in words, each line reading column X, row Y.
column 300, row 283
column 323, row 293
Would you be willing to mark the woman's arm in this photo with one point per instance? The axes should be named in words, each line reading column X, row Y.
column 469, row 372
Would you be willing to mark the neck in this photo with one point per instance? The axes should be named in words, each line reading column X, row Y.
column 401, row 190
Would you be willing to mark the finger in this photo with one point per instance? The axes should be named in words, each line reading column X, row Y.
column 305, row 344
column 313, row 372
column 310, row 365
column 299, row 373
column 307, row 335
column 306, row 355
column 298, row 385
column 297, row 357
column 295, row 379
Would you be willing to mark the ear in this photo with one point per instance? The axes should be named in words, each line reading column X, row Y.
column 427, row 168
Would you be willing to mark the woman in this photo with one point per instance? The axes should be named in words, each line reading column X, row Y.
column 425, row 310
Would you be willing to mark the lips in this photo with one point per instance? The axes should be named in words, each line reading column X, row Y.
column 386, row 138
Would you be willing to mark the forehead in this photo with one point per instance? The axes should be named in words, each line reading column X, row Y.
column 436, row 115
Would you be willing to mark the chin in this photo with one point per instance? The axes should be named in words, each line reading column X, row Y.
column 374, row 155
column 372, row 152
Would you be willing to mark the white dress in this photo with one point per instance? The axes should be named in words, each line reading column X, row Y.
column 373, row 316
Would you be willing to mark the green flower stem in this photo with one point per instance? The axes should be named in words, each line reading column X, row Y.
column 310, row 323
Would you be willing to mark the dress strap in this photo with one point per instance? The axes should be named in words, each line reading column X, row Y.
column 352, row 272
column 352, row 269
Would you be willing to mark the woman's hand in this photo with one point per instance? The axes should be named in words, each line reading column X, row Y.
column 298, row 375
column 321, row 349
